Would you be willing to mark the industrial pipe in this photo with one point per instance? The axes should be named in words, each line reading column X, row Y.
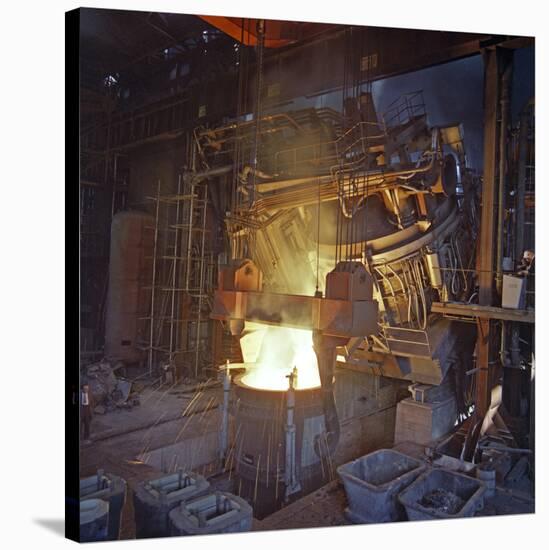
column 374, row 177
column 240, row 125
column 504, row 103
column 257, row 114
column 326, row 186
column 213, row 172
column 247, row 170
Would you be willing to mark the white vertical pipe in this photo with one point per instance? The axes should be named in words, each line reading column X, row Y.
column 224, row 435
column 290, row 477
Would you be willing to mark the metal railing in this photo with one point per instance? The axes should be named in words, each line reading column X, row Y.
column 403, row 109
column 351, row 146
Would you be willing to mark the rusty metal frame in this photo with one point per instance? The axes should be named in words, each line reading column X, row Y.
column 495, row 59
column 472, row 311
column 340, row 318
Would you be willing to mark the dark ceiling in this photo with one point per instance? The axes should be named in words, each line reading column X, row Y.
column 130, row 59
column 134, row 44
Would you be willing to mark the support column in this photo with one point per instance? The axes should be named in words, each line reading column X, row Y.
column 496, row 62
column 485, row 261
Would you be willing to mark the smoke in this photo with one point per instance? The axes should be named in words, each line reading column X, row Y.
column 523, row 80
column 453, row 93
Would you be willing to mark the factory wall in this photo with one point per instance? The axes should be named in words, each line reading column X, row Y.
column 158, row 161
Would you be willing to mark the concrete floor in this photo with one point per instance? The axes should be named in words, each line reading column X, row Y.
column 325, row 507
column 123, row 442
column 128, row 443
column 321, row 508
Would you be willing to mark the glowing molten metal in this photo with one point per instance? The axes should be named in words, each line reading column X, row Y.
column 273, row 352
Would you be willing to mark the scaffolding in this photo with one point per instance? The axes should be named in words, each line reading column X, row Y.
column 182, row 280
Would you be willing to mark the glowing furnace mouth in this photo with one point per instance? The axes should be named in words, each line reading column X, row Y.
column 273, row 352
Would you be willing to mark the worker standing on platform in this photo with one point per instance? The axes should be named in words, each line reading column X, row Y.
column 526, row 270
column 526, row 266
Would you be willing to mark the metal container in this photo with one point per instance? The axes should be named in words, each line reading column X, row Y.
column 514, row 291
column 441, row 494
column 372, row 484
column 94, row 520
column 153, row 500
column 210, row 514
column 130, row 273
column 260, row 449
column 110, row 488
